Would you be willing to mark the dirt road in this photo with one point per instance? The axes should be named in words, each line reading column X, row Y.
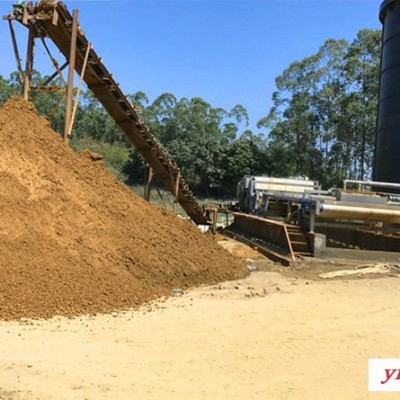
column 269, row 336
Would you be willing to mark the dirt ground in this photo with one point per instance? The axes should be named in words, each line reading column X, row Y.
column 278, row 334
column 74, row 240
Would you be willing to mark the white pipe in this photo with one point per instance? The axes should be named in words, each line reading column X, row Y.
column 373, row 183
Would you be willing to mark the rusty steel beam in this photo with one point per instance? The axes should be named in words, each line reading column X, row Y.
column 16, row 53
column 58, row 72
column 54, row 61
column 75, row 107
column 29, row 62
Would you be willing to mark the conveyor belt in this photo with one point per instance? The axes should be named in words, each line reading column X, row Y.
column 53, row 19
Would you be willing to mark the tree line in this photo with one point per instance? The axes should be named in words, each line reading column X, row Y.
column 321, row 124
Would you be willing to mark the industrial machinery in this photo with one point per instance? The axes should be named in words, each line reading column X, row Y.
column 259, row 194
column 362, row 214
column 302, row 202
column 292, row 212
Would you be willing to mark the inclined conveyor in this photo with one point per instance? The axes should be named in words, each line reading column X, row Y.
column 53, row 20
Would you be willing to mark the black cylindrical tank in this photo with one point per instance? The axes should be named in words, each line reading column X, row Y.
column 387, row 145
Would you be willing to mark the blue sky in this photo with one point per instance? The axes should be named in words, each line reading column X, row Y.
column 227, row 52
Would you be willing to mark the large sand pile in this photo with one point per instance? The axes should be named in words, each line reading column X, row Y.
column 74, row 240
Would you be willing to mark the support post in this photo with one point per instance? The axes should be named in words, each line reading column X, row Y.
column 79, row 90
column 50, row 78
column 29, row 62
column 147, row 186
column 214, row 220
column 16, row 53
column 71, row 72
column 314, row 211
column 312, row 221
column 176, row 191
column 54, row 61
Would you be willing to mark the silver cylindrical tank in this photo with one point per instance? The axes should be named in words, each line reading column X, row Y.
column 387, row 146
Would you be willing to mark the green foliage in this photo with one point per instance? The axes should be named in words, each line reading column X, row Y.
column 114, row 155
column 321, row 124
column 94, row 122
column 324, row 111
column 246, row 156
column 9, row 87
column 201, row 140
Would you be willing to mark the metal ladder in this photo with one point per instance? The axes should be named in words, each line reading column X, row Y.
column 297, row 241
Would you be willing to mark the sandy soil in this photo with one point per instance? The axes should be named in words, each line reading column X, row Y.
column 269, row 336
column 74, row 240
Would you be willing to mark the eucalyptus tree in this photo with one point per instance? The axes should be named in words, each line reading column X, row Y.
column 247, row 155
column 362, row 77
column 190, row 131
column 322, row 121
column 292, row 120
column 205, row 142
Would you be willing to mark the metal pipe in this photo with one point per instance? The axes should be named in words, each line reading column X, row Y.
column 334, row 211
column 388, row 185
